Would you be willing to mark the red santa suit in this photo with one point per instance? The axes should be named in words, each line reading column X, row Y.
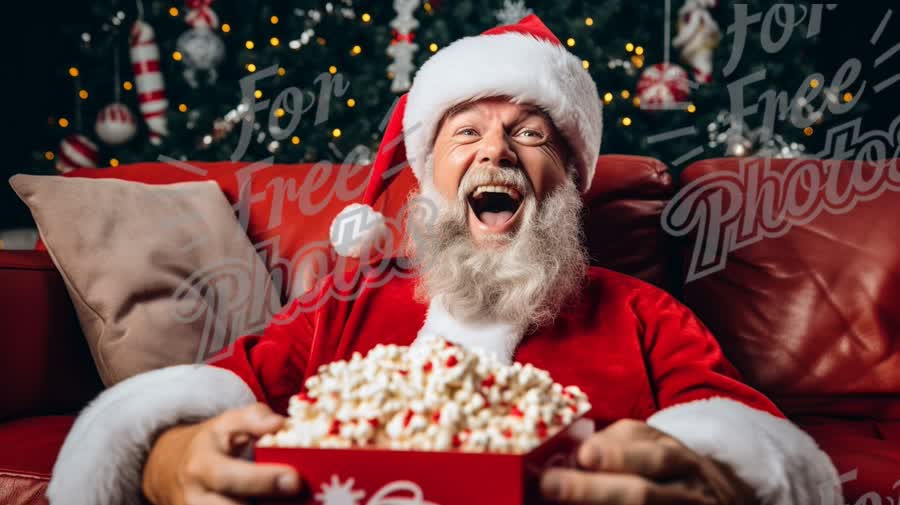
column 635, row 351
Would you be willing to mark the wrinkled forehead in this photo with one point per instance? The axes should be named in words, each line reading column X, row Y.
column 522, row 110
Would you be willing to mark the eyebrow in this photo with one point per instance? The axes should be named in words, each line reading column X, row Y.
column 530, row 110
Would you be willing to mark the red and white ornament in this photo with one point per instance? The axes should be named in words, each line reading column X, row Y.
column 663, row 86
column 149, row 80
column 76, row 151
column 115, row 124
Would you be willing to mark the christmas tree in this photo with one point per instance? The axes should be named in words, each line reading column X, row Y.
column 316, row 80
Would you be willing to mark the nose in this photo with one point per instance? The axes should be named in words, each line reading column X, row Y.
column 496, row 149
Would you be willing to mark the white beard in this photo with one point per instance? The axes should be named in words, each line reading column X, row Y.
column 526, row 280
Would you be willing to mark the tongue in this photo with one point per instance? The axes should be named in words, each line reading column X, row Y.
column 495, row 218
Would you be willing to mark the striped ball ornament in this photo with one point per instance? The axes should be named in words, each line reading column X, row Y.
column 115, row 124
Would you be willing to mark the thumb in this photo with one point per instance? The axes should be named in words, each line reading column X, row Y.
column 238, row 426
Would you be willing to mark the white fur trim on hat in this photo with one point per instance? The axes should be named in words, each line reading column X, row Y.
column 357, row 228
column 528, row 70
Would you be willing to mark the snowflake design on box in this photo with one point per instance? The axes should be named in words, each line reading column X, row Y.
column 342, row 493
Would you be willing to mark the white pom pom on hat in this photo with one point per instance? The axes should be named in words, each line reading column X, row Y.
column 524, row 61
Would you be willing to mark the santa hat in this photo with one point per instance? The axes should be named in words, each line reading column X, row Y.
column 523, row 61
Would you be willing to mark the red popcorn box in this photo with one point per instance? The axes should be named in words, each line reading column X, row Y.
column 381, row 477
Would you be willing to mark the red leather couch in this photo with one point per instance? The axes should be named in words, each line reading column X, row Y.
column 810, row 317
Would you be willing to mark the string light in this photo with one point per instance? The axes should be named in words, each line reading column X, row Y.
column 366, row 17
column 251, row 67
column 625, row 94
column 258, row 94
column 629, row 47
column 570, row 42
column 113, row 162
column 585, row 64
column 281, row 71
column 279, row 112
column 692, row 108
column 83, row 94
column 295, row 140
column 427, row 7
column 336, row 132
column 273, row 20
column 49, row 156
column 182, row 107
column 173, row 11
column 636, row 101
column 608, row 97
column 332, row 70
column 589, row 21
column 356, row 50
column 626, row 121
column 808, row 131
column 274, row 41
column 63, row 122
column 320, row 40
column 73, row 71
column 433, row 47
column 814, row 83
column 638, row 50
column 176, row 55
column 226, row 27
column 127, row 85
column 351, row 102
column 249, row 44
column 848, row 97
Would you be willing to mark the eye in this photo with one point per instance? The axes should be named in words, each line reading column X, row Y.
column 528, row 132
column 467, row 132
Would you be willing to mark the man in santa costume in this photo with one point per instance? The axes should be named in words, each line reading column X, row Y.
column 502, row 131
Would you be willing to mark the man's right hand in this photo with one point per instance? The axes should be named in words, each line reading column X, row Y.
column 197, row 464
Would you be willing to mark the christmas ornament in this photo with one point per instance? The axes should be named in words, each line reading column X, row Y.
column 402, row 47
column 76, row 151
column 201, row 48
column 663, row 86
column 512, row 12
column 698, row 36
column 115, row 124
column 149, row 80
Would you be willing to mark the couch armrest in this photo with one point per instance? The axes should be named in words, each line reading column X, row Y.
column 47, row 367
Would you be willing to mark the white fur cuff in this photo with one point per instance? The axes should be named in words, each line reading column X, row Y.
column 103, row 455
column 772, row 455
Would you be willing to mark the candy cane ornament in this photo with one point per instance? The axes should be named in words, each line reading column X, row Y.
column 149, row 80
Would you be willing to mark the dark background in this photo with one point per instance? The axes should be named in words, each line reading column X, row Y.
column 34, row 51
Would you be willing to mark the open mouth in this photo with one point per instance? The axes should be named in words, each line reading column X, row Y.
column 495, row 206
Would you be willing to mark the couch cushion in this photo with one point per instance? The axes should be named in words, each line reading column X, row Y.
column 159, row 275
column 621, row 220
column 30, row 447
column 808, row 306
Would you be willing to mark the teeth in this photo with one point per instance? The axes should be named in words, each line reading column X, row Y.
column 497, row 189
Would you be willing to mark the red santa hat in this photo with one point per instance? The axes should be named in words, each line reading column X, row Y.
column 524, row 62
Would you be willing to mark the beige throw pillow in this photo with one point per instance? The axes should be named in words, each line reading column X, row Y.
column 159, row 274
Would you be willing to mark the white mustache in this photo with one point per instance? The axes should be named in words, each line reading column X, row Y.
column 494, row 176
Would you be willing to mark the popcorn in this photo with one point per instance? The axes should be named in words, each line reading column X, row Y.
column 436, row 396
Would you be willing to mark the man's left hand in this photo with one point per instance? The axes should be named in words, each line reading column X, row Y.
column 631, row 463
